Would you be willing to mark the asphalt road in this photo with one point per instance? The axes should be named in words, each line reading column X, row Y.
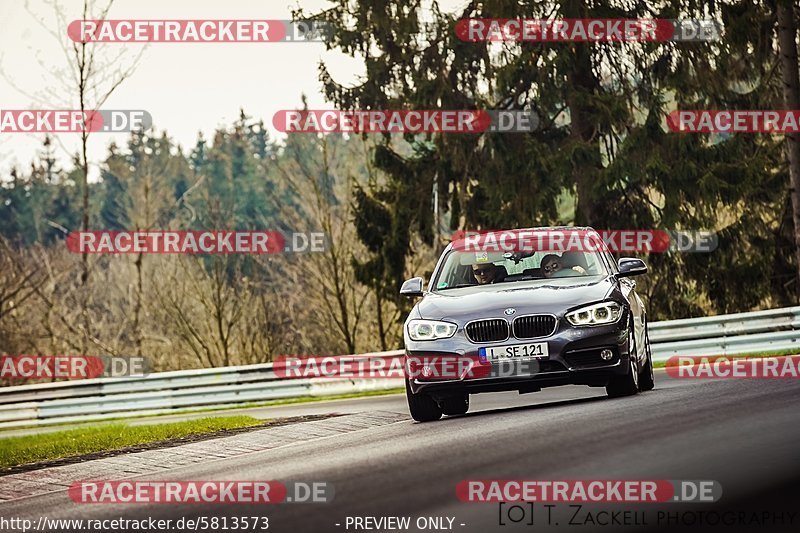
column 745, row 434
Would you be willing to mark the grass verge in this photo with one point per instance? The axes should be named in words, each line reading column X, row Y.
column 307, row 399
column 266, row 403
column 27, row 449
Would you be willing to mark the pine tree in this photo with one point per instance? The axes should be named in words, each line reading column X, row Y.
column 602, row 143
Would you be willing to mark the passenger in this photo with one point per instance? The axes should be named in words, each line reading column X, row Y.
column 488, row 273
column 551, row 264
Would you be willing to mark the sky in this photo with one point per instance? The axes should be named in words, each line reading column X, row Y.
column 186, row 87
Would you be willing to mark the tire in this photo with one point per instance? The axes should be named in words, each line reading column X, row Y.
column 423, row 408
column 647, row 378
column 455, row 405
column 628, row 384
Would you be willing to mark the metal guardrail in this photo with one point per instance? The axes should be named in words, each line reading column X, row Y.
column 168, row 392
column 742, row 333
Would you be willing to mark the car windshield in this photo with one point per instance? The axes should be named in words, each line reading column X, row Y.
column 466, row 268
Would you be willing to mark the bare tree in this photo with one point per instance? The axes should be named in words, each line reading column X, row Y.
column 90, row 76
column 312, row 171
column 19, row 281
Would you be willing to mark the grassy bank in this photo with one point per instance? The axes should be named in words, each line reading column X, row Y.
column 97, row 438
column 250, row 405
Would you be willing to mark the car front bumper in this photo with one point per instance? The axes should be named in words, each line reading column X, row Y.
column 574, row 359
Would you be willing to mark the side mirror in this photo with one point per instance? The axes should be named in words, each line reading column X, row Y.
column 412, row 287
column 630, row 266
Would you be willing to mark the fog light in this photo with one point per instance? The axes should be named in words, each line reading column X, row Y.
column 606, row 355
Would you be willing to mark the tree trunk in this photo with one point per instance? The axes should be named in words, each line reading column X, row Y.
column 582, row 84
column 86, row 323
column 787, row 35
column 379, row 315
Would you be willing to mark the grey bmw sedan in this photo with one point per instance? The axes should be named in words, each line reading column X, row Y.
column 545, row 307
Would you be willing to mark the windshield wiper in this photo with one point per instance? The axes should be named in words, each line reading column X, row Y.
column 458, row 286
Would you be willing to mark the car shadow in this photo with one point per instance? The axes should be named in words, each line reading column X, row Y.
column 531, row 407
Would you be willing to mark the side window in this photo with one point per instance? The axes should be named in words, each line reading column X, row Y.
column 446, row 275
column 513, row 268
column 604, row 256
column 534, row 261
column 593, row 263
column 526, row 263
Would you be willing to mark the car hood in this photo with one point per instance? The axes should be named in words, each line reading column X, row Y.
column 538, row 296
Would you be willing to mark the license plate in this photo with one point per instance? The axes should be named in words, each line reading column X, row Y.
column 515, row 352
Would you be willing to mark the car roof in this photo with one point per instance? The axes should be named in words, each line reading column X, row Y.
column 518, row 230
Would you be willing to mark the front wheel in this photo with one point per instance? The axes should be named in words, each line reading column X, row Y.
column 627, row 384
column 647, row 379
column 422, row 406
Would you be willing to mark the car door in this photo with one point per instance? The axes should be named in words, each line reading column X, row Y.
column 628, row 288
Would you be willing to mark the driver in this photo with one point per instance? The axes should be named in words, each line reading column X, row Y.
column 487, row 273
column 551, row 264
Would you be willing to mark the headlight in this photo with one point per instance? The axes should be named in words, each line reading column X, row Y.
column 428, row 330
column 594, row 315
